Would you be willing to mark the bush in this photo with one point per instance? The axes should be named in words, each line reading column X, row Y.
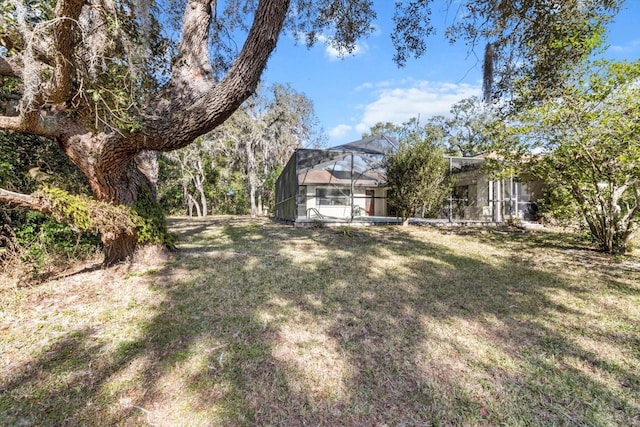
column 41, row 246
column 417, row 178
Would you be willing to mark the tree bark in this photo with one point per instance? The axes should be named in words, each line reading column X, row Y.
column 118, row 185
column 203, row 201
column 252, row 199
column 192, row 202
column 25, row 201
column 199, row 180
column 118, row 247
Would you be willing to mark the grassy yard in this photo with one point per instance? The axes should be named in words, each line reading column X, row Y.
column 255, row 323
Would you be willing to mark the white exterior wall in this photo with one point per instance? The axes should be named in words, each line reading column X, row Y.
column 344, row 211
column 359, row 201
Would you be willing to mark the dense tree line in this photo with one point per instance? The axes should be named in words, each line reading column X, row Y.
column 232, row 170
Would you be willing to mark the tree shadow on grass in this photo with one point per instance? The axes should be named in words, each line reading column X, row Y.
column 562, row 252
column 37, row 386
column 267, row 325
column 413, row 355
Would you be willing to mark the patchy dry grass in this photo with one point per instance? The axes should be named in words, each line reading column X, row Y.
column 254, row 323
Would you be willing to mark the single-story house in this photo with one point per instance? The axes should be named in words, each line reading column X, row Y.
column 348, row 183
column 342, row 182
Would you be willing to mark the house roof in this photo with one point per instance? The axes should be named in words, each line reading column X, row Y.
column 339, row 177
column 360, row 161
column 376, row 144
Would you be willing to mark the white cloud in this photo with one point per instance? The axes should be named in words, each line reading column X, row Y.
column 422, row 98
column 363, row 86
column 335, row 54
column 379, row 85
column 340, row 131
column 629, row 47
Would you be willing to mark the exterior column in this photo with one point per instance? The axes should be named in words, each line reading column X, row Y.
column 497, row 201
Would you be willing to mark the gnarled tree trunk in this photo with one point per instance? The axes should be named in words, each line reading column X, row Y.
column 117, row 176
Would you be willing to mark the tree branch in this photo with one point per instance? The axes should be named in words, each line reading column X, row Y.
column 12, row 123
column 193, row 68
column 211, row 109
column 42, row 124
column 26, row 201
column 243, row 78
column 8, row 68
column 633, row 211
column 67, row 14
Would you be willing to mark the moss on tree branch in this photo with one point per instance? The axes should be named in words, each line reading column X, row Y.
column 89, row 215
column 144, row 219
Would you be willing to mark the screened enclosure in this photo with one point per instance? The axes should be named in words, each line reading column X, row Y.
column 348, row 183
column 343, row 182
column 477, row 197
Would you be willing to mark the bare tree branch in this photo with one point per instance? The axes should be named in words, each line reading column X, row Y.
column 11, row 123
column 212, row 108
column 41, row 124
column 26, row 201
column 193, row 69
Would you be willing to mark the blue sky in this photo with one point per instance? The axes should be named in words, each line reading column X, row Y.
column 353, row 93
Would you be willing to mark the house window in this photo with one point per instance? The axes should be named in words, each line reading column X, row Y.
column 333, row 197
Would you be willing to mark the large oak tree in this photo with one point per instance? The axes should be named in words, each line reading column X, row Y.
column 105, row 80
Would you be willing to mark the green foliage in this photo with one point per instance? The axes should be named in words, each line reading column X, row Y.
column 41, row 242
column 557, row 206
column 412, row 129
column 26, row 161
column 114, row 106
column 170, row 192
column 119, row 57
column 132, row 44
column 269, row 189
column 417, row 178
column 261, row 136
column 230, row 196
column 150, row 222
column 535, row 43
column 75, row 222
column 74, row 209
column 248, row 151
column 345, row 231
column 467, row 131
column 225, row 188
column 589, row 145
column 31, row 239
column 87, row 214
